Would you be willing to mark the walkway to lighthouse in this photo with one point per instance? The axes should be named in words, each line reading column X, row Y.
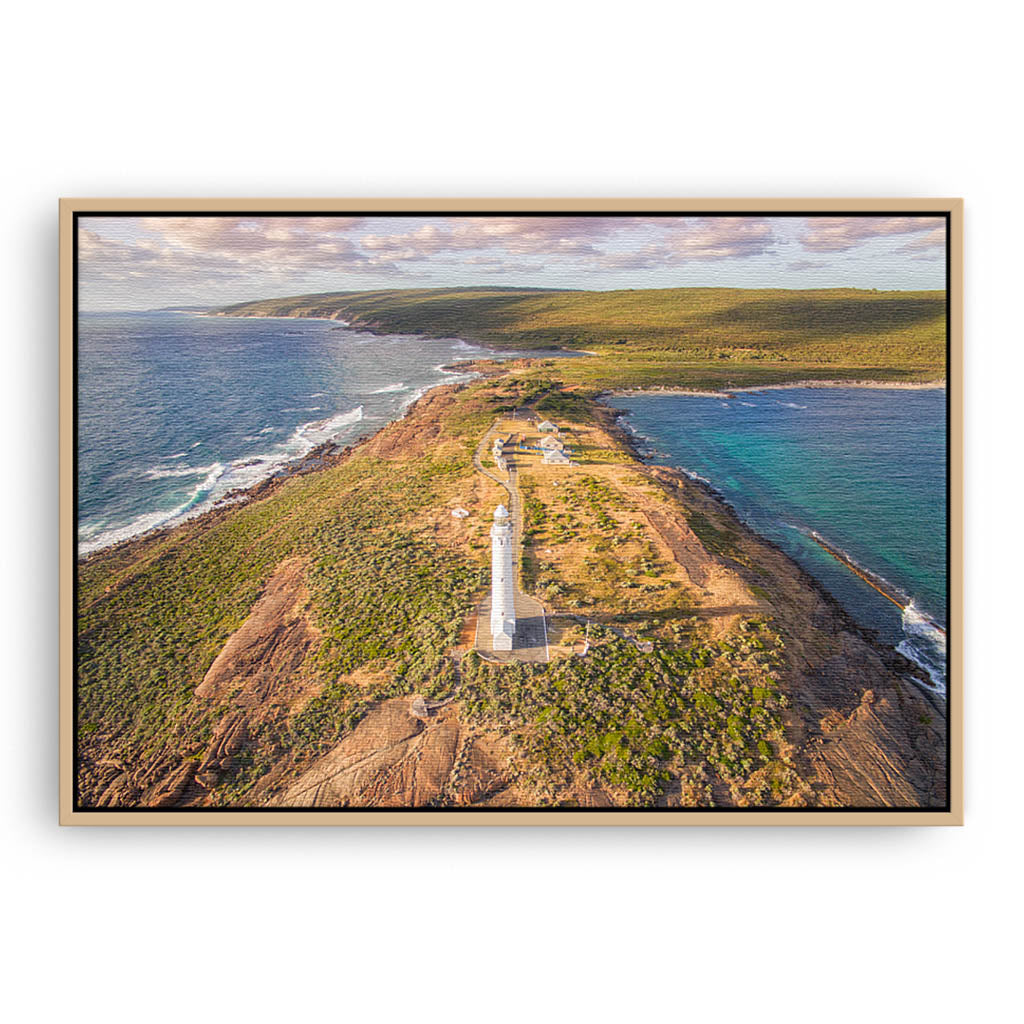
column 531, row 640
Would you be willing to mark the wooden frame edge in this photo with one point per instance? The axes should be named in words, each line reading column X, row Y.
column 66, row 518
column 68, row 815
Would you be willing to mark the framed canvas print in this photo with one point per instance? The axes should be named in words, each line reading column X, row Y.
column 511, row 511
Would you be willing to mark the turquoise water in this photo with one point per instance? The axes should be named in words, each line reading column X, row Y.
column 863, row 468
column 175, row 410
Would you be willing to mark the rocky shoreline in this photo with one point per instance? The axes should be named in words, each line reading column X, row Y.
column 874, row 385
column 687, row 483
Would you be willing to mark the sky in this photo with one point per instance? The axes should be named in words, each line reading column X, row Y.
column 135, row 263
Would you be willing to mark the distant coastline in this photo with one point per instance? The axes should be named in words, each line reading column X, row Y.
column 881, row 385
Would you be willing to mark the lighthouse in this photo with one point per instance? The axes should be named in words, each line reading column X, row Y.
column 503, row 607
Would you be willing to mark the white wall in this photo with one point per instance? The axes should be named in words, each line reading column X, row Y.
column 532, row 99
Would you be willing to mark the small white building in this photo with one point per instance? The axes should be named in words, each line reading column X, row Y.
column 551, row 442
column 547, row 427
column 498, row 451
column 554, row 457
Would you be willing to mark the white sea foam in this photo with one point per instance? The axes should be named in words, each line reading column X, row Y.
column 925, row 645
column 196, row 445
column 791, row 405
column 323, row 430
column 695, row 476
column 177, row 455
column 220, row 480
column 95, row 537
column 311, row 408
column 319, row 394
column 414, row 397
column 388, row 390
column 159, row 473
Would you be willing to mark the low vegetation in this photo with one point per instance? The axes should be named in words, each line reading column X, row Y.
column 697, row 337
column 702, row 721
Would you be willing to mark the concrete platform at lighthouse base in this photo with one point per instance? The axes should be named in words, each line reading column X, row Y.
column 531, row 640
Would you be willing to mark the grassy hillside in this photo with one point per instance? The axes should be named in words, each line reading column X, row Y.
column 674, row 336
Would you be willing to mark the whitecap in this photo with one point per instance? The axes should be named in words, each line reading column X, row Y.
column 192, row 505
column 220, row 480
column 389, row 389
column 696, row 476
column 307, row 436
column 159, row 473
column 414, row 397
column 925, row 646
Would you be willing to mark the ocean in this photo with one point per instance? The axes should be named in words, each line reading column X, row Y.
column 177, row 409
column 863, row 469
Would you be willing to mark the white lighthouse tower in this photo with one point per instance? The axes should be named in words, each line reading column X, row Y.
column 503, row 606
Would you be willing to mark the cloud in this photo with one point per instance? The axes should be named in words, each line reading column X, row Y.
column 807, row 265
column 722, row 238
column 837, row 234
column 935, row 239
column 159, row 260
column 519, row 236
column 127, row 262
column 290, row 242
column 696, row 240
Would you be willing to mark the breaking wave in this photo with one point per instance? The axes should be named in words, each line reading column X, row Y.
column 389, row 389
column 92, row 538
column 924, row 645
column 219, row 480
column 158, row 473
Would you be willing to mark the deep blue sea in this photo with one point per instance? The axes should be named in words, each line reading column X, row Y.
column 863, row 468
column 178, row 409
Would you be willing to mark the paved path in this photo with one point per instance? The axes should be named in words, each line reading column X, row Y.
column 531, row 640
